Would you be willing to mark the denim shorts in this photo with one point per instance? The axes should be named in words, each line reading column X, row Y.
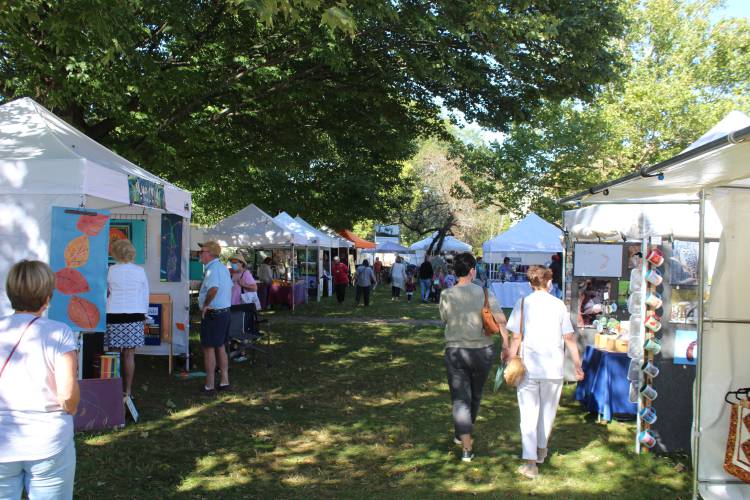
column 215, row 328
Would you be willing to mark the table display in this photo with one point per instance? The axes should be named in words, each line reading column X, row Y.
column 282, row 293
column 605, row 389
column 509, row 292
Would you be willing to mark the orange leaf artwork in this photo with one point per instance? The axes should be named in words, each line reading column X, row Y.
column 70, row 281
column 77, row 252
column 114, row 235
column 83, row 313
column 91, row 224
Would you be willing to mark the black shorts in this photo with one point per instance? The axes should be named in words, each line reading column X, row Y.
column 215, row 329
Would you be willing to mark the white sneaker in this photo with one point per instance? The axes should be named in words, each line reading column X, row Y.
column 528, row 470
column 541, row 454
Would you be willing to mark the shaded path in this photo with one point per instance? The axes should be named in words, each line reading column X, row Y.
column 355, row 320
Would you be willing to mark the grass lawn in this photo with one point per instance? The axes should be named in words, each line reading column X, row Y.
column 350, row 411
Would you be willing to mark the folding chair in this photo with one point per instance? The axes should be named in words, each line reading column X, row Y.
column 247, row 332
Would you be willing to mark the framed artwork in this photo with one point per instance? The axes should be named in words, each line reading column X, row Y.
column 170, row 268
column 685, row 347
column 683, row 264
column 597, row 260
column 133, row 230
column 78, row 257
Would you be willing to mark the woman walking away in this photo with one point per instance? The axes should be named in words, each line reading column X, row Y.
column 127, row 306
column 468, row 351
column 38, row 390
column 546, row 329
column 398, row 278
column 364, row 279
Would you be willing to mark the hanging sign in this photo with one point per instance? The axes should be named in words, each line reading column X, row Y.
column 146, row 193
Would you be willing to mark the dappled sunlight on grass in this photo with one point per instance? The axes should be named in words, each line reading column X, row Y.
column 351, row 411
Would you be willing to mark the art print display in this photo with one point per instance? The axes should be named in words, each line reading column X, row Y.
column 685, row 347
column 597, row 260
column 129, row 229
column 171, row 248
column 78, row 257
column 683, row 264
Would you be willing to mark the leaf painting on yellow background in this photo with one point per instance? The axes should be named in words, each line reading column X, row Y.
column 77, row 252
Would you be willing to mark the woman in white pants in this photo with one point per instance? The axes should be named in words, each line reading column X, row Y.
column 547, row 328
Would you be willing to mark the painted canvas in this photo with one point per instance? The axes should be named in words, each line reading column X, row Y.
column 133, row 230
column 171, row 248
column 685, row 347
column 78, row 257
column 683, row 265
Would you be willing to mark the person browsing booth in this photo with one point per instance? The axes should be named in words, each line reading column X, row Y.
column 214, row 300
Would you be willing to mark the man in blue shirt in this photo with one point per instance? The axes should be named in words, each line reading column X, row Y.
column 214, row 299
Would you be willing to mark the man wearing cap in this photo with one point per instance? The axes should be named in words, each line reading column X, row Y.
column 214, row 300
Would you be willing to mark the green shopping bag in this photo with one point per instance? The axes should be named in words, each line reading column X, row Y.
column 499, row 375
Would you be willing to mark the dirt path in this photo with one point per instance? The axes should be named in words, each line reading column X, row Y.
column 350, row 320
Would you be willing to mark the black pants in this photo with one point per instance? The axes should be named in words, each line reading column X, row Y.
column 467, row 373
column 395, row 291
column 340, row 291
column 362, row 291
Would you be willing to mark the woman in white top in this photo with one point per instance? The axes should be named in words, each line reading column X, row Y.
column 398, row 278
column 546, row 330
column 127, row 307
column 38, row 390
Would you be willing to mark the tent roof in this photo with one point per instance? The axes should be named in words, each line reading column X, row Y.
column 310, row 236
column 42, row 154
column 324, row 239
column 252, row 227
column 450, row 244
column 340, row 240
column 390, row 247
column 358, row 242
column 718, row 159
column 530, row 234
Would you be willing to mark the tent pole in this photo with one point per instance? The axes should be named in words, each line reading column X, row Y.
column 699, row 363
column 292, row 258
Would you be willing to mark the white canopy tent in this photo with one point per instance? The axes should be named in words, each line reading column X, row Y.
column 450, row 244
column 532, row 240
column 254, row 228
column 713, row 174
column 312, row 238
column 389, row 247
column 326, row 242
column 46, row 162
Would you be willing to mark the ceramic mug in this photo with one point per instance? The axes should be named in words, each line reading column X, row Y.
column 653, row 323
column 648, row 415
column 647, row 439
column 649, row 369
column 653, row 300
column 655, row 257
column 652, row 345
column 654, row 277
column 648, row 392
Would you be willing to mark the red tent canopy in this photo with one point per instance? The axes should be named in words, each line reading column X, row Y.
column 358, row 242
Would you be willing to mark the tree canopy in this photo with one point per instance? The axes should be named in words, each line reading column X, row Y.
column 682, row 74
column 310, row 106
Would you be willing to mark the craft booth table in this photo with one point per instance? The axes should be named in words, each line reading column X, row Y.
column 686, row 298
column 604, row 390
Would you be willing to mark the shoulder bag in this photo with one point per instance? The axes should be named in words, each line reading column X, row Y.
column 248, row 297
column 13, row 351
column 489, row 323
column 515, row 370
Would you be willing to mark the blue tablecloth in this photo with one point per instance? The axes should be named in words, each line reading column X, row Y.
column 604, row 390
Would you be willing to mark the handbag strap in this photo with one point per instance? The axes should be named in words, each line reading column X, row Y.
column 486, row 299
column 13, row 351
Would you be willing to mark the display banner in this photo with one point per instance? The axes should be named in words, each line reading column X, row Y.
column 145, row 193
column 171, row 248
column 78, row 257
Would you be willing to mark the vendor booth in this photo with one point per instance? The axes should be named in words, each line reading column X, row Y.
column 309, row 258
column 451, row 244
column 329, row 247
column 690, row 319
column 252, row 228
column 530, row 241
column 388, row 251
column 64, row 198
